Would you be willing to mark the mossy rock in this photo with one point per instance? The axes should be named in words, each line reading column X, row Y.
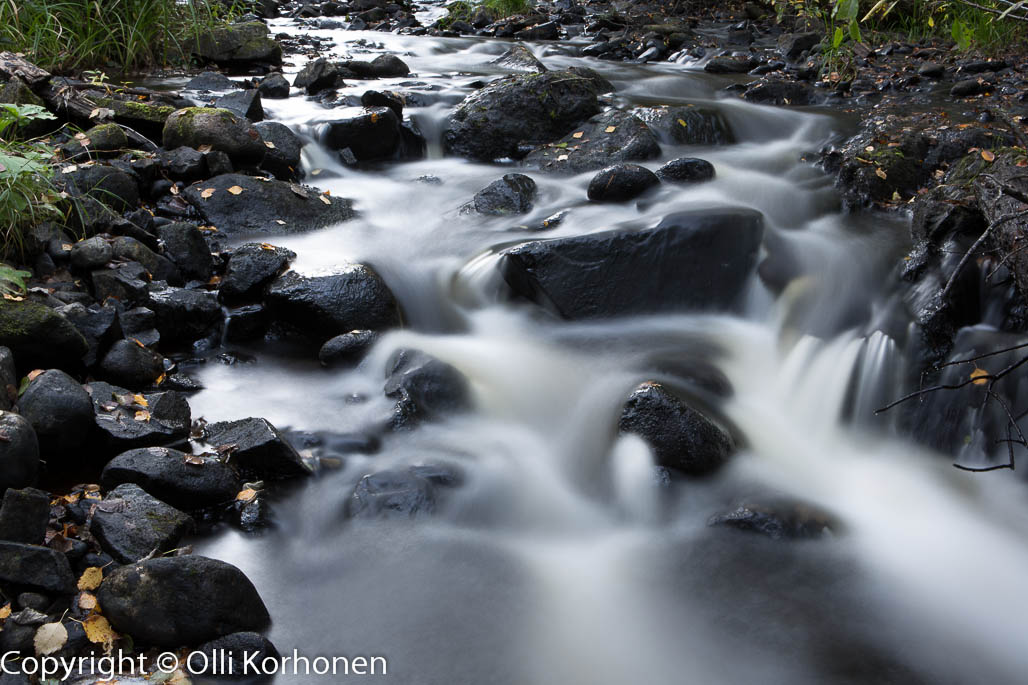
column 39, row 337
column 237, row 45
column 146, row 117
column 221, row 129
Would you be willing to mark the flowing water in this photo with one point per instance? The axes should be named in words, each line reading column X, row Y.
column 561, row 558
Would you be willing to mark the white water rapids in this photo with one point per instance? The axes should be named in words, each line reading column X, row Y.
column 561, row 559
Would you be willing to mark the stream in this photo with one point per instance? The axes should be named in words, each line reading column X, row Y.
column 561, row 558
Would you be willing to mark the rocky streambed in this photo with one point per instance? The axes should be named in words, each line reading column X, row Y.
column 521, row 361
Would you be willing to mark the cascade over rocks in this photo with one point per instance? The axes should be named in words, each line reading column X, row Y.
column 687, row 125
column 699, row 259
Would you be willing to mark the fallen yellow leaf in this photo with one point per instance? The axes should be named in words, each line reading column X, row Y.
column 246, row 495
column 610, row 129
column 91, row 578
column 140, row 400
column 988, row 156
column 206, row 193
column 269, row 144
column 5, row 611
column 880, row 173
column 979, row 376
column 142, row 415
column 235, row 190
column 195, row 460
column 578, row 134
column 324, row 199
column 98, row 630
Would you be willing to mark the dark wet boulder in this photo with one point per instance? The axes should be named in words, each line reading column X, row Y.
column 607, row 138
column 39, row 337
column 686, row 170
column 383, row 66
column 182, row 164
column 24, row 516
column 318, row 75
column 35, row 568
column 106, row 185
column 91, row 253
column 682, row 438
column 19, row 452
column 393, row 494
column 235, row 653
column 512, row 194
column 549, row 30
column 529, row 109
column 374, row 133
column 158, row 268
column 520, row 59
column 424, row 388
column 969, row 88
column 687, row 125
column 185, row 245
column 238, row 45
column 355, row 298
column 250, row 268
column 264, row 206
column 183, row 481
column 778, row 91
column 131, row 524
column 274, row 87
column 256, row 448
column 621, row 183
column 124, row 422
column 777, row 519
column 730, row 64
column 97, row 324
column 187, row 600
column 126, row 283
column 245, row 104
column 60, row 412
column 346, row 349
column 220, row 129
column 793, row 45
column 211, row 80
column 384, row 98
column 283, row 155
column 183, row 315
column 131, row 364
column 699, row 259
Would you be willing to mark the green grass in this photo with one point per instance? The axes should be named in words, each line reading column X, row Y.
column 27, row 194
column 68, row 35
column 465, row 10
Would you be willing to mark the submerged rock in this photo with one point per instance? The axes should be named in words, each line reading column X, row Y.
column 699, row 259
column 393, row 494
column 687, row 125
column 174, row 601
column 424, row 388
column 534, row 109
column 777, row 520
column 682, row 438
column 512, row 194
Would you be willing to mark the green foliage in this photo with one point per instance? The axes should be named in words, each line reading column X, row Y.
column 67, row 35
column 984, row 24
column 27, row 195
column 12, row 281
column 465, row 10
